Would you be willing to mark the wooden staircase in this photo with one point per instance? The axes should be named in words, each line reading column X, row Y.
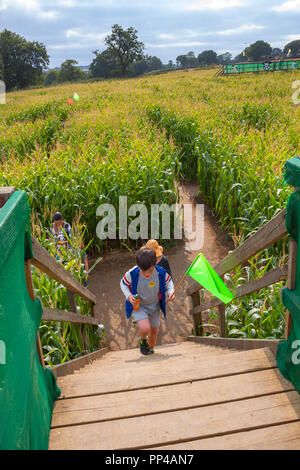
column 187, row 396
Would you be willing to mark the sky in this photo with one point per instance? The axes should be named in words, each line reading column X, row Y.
column 72, row 29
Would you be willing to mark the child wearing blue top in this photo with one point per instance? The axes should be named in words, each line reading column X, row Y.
column 151, row 283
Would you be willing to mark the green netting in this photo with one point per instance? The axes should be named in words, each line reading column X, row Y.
column 268, row 66
column 27, row 391
column 288, row 354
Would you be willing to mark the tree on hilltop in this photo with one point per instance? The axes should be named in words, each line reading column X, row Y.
column 125, row 47
column 294, row 46
column 69, row 72
column 23, row 61
column 258, row 50
column 208, row 58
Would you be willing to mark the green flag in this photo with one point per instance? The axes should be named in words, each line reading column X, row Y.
column 202, row 272
column 76, row 97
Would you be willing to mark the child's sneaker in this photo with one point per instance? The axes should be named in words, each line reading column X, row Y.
column 152, row 351
column 144, row 347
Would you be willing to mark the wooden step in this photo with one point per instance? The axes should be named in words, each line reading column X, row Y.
column 114, row 364
column 275, row 437
column 153, row 372
column 179, row 426
column 167, row 398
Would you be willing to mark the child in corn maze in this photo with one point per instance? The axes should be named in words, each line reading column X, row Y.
column 161, row 259
column 150, row 283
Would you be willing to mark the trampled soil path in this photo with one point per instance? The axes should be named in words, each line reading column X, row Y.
column 105, row 283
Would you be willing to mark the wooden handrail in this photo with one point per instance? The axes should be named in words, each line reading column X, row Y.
column 54, row 314
column 268, row 234
column 273, row 276
column 46, row 263
column 5, row 194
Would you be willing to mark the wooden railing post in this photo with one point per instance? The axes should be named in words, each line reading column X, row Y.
column 73, row 308
column 221, row 311
column 197, row 318
column 293, row 246
column 5, row 194
column 222, row 321
column 31, row 294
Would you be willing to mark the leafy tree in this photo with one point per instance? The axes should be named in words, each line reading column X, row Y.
column 187, row 60
column 69, row 72
column 295, row 48
column 207, row 58
column 23, row 61
column 170, row 65
column 258, row 50
column 1, row 69
column 154, row 63
column 124, row 46
column 104, row 65
column 51, row 77
column 224, row 59
column 147, row 64
column 192, row 60
column 182, row 60
column 241, row 58
column 276, row 52
column 139, row 67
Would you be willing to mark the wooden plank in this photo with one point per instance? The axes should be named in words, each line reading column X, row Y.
column 5, row 193
column 32, row 296
column 170, row 398
column 277, row 437
column 161, row 374
column 163, row 352
column 293, row 246
column 113, row 367
column 187, row 358
column 54, row 314
column 190, row 349
column 273, row 276
column 46, row 263
column 197, row 319
column 264, row 237
column 70, row 367
column 73, row 308
column 178, row 426
column 240, row 344
column 222, row 319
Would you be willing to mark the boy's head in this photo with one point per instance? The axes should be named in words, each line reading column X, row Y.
column 146, row 261
column 58, row 219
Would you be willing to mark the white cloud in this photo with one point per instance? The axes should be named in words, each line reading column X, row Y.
column 84, row 36
column 290, row 5
column 199, row 5
column 177, row 44
column 240, row 29
column 166, row 36
column 31, row 6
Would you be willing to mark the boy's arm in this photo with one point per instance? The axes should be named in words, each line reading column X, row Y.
column 169, row 284
column 125, row 285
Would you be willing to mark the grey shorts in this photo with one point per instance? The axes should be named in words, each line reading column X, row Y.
column 141, row 314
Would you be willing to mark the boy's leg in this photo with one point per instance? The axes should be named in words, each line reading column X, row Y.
column 144, row 331
column 153, row 337
column 144, row 328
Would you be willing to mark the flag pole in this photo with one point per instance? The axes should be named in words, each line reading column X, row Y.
column 180, row 282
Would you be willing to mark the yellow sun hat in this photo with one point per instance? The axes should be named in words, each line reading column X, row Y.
column 155, row 246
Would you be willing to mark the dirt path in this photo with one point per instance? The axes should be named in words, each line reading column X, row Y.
column 105, row 283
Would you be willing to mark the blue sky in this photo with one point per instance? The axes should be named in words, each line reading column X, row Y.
column 72, row 29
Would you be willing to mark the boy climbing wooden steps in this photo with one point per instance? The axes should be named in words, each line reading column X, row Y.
column 151, row 283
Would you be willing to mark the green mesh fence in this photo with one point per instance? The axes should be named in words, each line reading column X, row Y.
column 27, row 391
column 266, row 66
column 288, row 354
